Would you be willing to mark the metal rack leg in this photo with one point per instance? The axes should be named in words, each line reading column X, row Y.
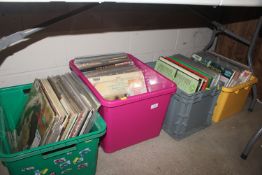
column 212, row 40
column 254, row 98
column 250, row 144
column 250, row 62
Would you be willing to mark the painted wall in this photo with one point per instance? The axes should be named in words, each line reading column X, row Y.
column 51, row 55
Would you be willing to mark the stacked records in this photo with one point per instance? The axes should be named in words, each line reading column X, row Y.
column 115, row 76
column 189, row 76
column 232, row 72
column 204, row 70
column 58, row 108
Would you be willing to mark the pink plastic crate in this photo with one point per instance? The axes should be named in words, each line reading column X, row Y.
column 138, row 117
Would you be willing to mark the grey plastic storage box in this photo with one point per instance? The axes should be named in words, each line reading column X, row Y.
column 189, row 113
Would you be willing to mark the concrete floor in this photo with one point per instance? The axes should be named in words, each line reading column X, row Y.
column 213, row 151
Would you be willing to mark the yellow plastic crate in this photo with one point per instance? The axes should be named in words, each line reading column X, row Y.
column 232, row 100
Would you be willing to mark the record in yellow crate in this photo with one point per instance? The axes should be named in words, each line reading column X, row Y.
column 232, row 100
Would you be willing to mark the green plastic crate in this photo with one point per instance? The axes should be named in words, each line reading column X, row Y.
column 76, row 155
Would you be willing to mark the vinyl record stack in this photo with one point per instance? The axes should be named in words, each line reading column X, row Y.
column 115, row 76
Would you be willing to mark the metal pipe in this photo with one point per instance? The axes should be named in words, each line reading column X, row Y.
column 251, row 143
column 212, row 40
column 231, row 34
column 253, row 43
column 250, row 62
column 20, row 36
